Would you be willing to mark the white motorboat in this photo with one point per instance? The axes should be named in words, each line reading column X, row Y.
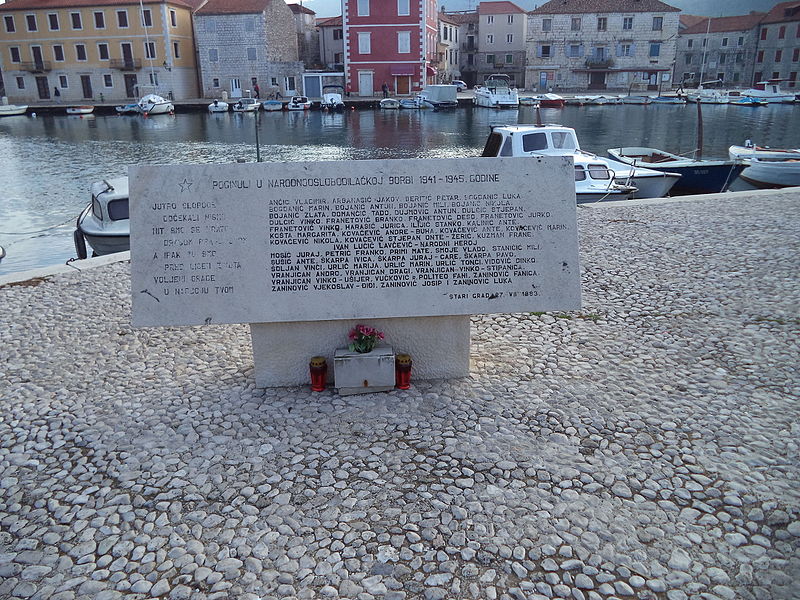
column 332, row 99
column 299, row 103
column 594, row 182
column 697, row 176
column 390, row 103
column 770, row 91
column 218, row 106
column 80, row 110
column 271, row 105
column 104, row 223
column 496, row 92
column 556, row 140
column 10, row 110
column 246, row 105
column 153, row 104
column 439, row 97
column 528, row 101
column 750, row 150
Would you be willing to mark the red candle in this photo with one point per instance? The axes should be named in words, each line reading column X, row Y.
column 319, row 373
column 402, row 371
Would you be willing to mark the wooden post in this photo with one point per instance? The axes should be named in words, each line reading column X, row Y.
column 699, row 151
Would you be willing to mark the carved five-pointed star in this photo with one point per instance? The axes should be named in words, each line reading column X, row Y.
column 185, row 185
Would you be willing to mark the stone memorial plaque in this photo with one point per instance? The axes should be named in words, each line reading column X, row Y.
column 278, row 242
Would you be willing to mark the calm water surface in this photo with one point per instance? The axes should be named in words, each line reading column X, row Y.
column 49, row 162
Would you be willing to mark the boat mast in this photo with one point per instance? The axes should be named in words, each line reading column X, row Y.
column 705, row 49
column 147, row 45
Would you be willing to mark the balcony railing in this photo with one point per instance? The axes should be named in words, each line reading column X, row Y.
column 599, row 63
column 39, row 66
column 126, row 64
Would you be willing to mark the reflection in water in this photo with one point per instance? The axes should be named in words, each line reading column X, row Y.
column 50, row 161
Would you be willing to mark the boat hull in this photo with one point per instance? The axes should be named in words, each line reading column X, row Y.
column 101, row 242
column 272, row 105
column 772, row 174
column 11, row 110
column 162, row 108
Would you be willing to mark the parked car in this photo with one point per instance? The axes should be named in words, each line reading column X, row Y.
column 460, row 85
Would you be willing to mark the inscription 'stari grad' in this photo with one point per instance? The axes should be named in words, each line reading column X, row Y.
column 319, row 241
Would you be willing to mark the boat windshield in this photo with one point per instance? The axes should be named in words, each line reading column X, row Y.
column 118, row 209
column 599, row 172
column 563, row 140
column 534, row 141
column 96, row 210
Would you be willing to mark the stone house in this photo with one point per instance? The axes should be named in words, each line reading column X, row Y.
column 778, row 53
column 467, row 23
column 331, row 42
column 94, row 51
column 307, row 35
column 718, row 49
column 601, row 44
column 447, row 50
column 241, row 43
column 501, row 41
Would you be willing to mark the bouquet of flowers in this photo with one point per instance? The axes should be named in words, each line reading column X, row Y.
column 363, row 339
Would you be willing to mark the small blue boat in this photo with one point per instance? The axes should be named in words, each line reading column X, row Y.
column 697, row 176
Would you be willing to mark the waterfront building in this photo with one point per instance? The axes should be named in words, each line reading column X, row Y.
column 241, row 43
column 331, row 42
column 626, row 45
column 391, row 42
column 501, row 41
column 778, row 54
column 719, row 49
column 111, row 50
column 467, row 23
column 447, row 50
column 307, row 35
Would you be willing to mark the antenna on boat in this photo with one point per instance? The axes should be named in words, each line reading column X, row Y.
column 699, row 150
column 258, row 146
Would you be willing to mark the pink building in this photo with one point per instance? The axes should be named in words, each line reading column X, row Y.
column 391, row 42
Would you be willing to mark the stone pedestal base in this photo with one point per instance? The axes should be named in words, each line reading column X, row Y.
column 439, row 346
column 357, row 373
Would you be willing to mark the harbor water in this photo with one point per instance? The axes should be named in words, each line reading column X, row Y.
column 49, row 161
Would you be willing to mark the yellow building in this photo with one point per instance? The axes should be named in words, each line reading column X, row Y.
column 101, row 50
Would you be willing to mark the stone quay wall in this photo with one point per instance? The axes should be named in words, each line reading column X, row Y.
column 646, row 446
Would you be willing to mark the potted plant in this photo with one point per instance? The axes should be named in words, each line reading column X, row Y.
column 363, row 366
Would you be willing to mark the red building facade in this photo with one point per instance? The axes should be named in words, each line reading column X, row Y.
column 390, row 42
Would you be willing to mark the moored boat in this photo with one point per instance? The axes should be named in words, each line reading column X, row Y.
column 153, row 104
column 10, row 110
column 746, row 101
column 271, row 105
column 299, row 103
column 218, row 106
column 772, row 173
column 80, row 110
column 245, row 105
column 697, row 176
column 617, row 180
column 126, row 109
column 750, row 150
column 636, row 99
column 390, row 103
column 332, row 98
column 770, row 91
column 104, row 223
column 496, row 92
column 668, row 100
column 549, row 100
column 411, row 103
column 528, row 101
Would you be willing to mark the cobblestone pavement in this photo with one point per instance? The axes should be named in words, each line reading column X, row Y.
column 643, row 447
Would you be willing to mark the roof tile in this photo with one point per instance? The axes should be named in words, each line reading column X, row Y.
column 233, row 7
column 783, row 12
column 561, row 7
column 719, row 24
column 498, row 8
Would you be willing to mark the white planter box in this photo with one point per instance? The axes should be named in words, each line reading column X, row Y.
column 356, row 373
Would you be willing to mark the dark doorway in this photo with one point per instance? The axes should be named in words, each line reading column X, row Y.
column 130, row 85
column 86, row 84
column 38, row 61
column 43, row 86
column 127, row 56
column 597, row 81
